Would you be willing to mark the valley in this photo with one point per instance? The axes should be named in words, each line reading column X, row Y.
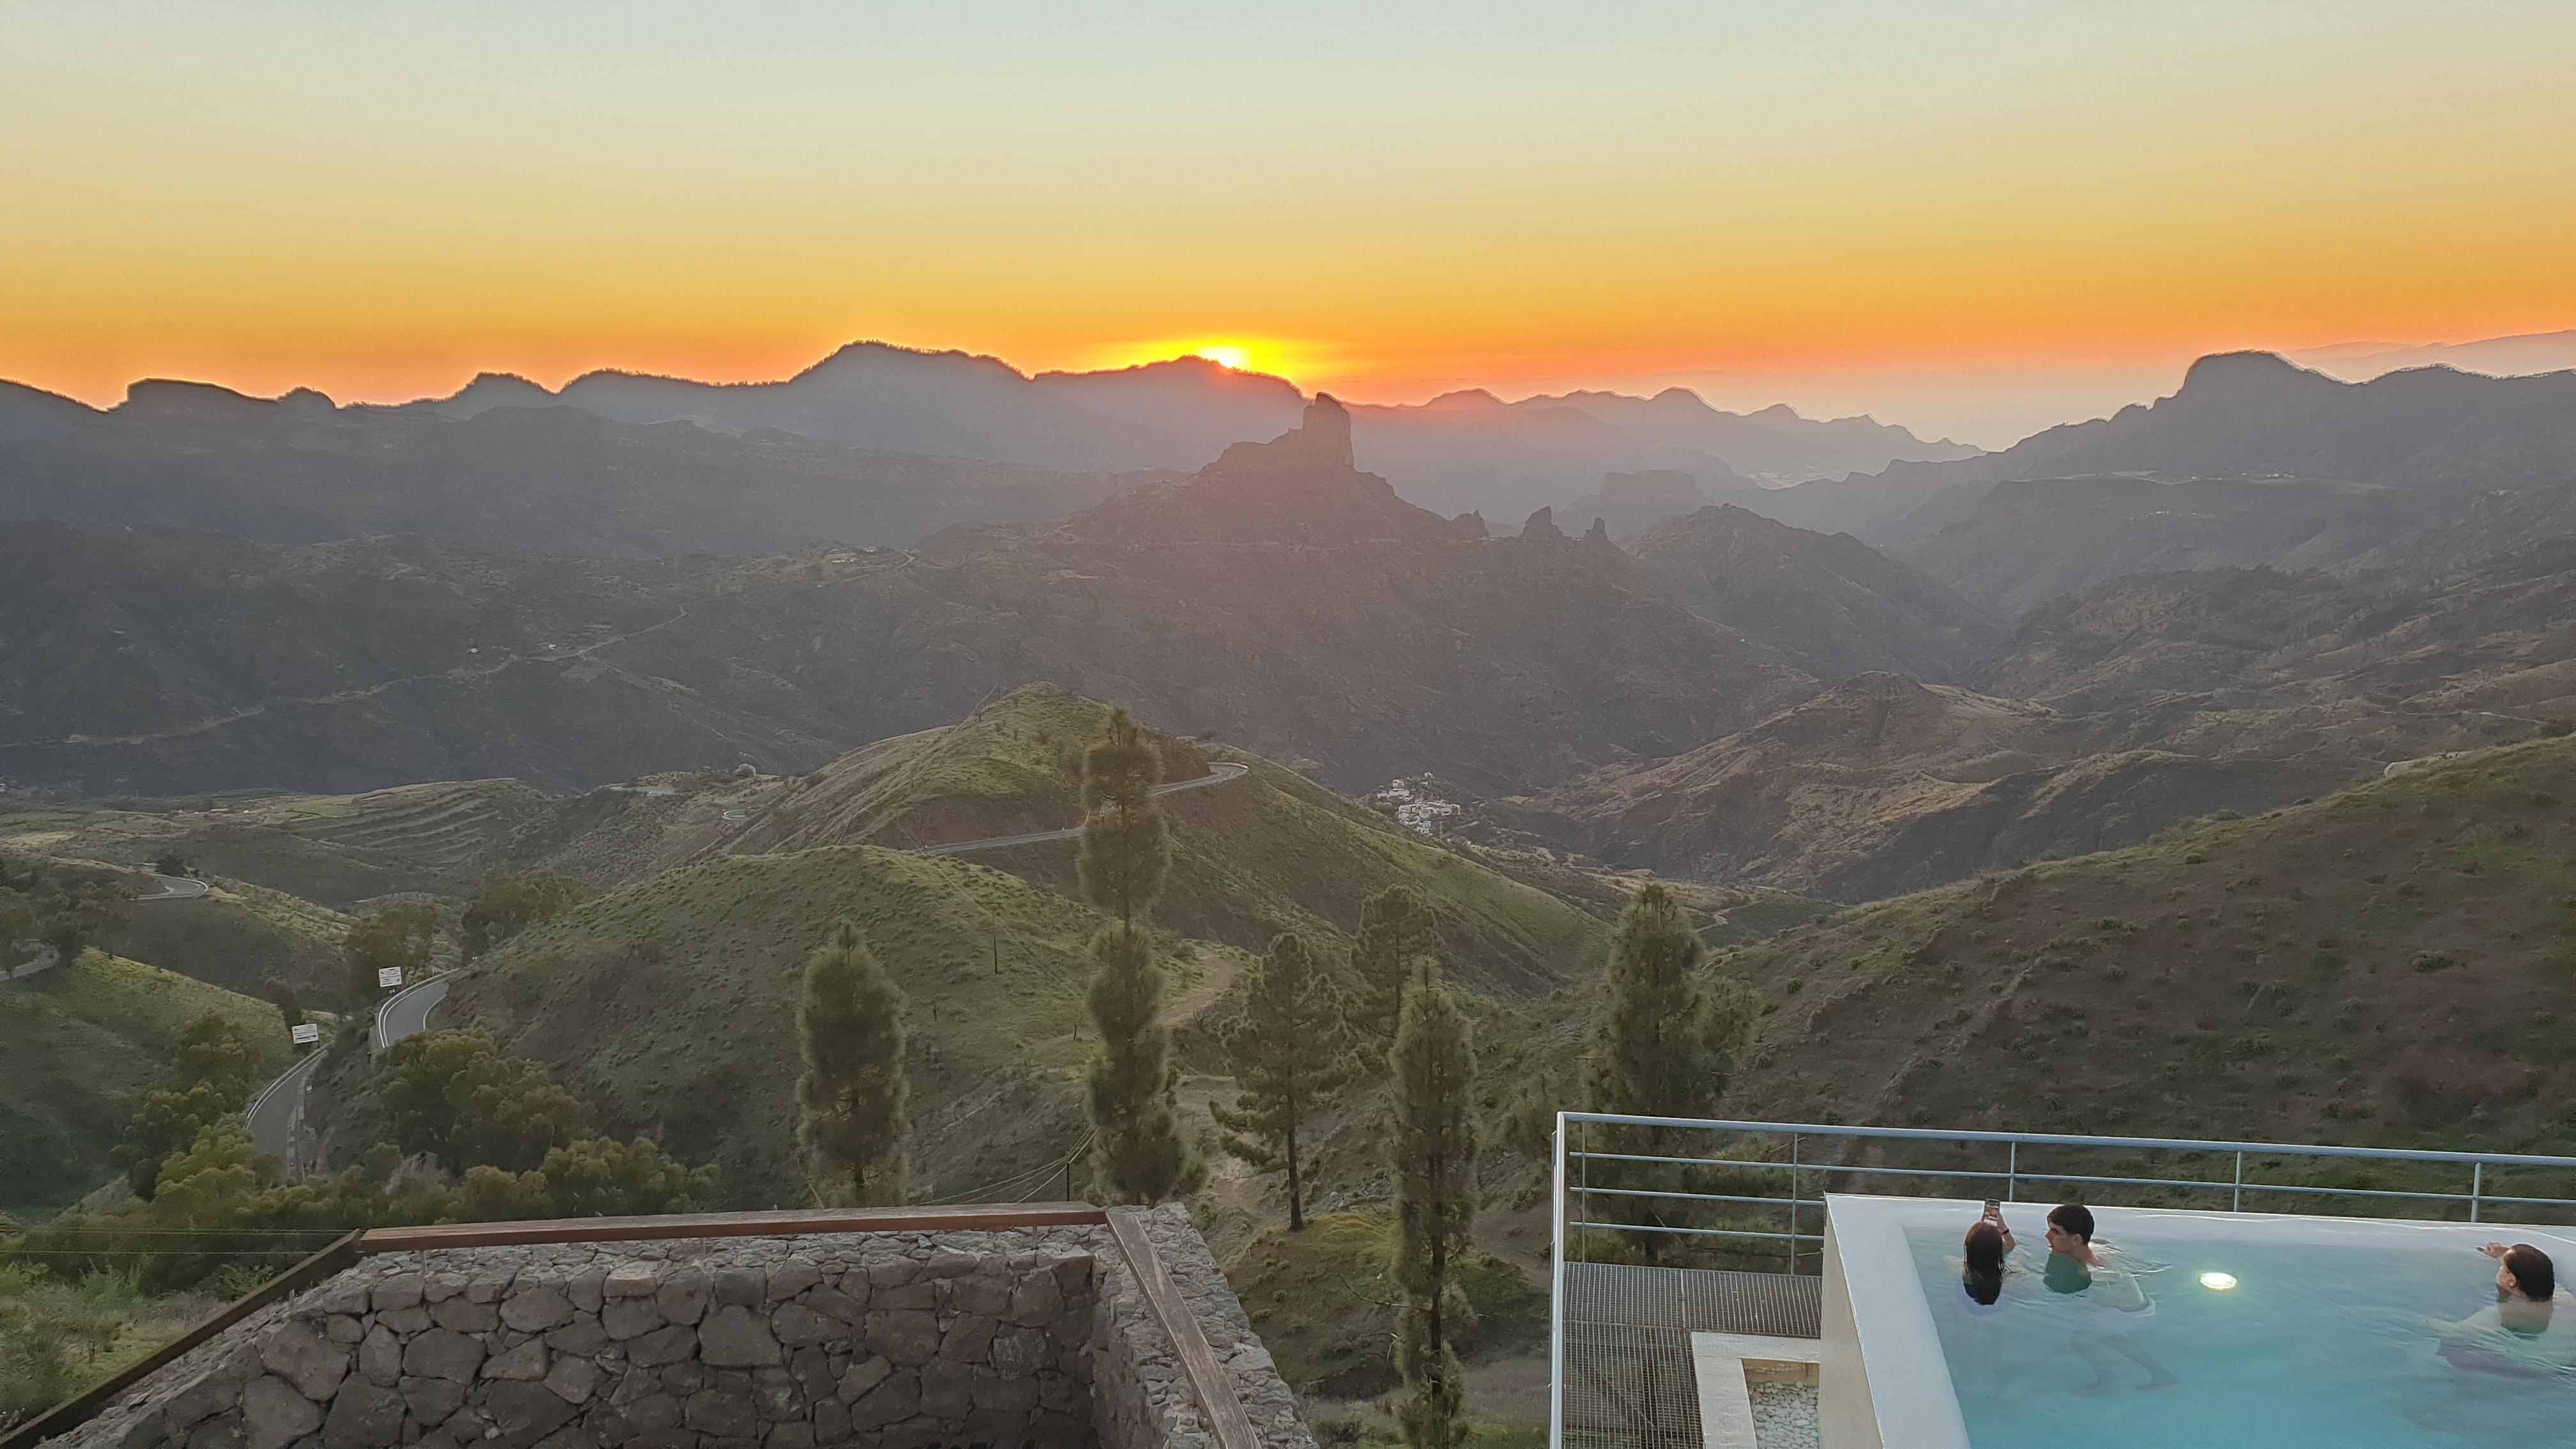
column 2067, row 805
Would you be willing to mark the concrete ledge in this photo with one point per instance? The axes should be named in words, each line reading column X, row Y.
column 1725, row 1364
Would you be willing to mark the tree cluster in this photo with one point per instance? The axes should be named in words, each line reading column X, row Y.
column 211, row 1079
column 453, row 1096
column 66, row 910
column 504, row 903
column 403, row 936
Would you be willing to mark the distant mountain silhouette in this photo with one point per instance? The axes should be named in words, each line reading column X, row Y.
column 2518, row 355
column 1459, row 452
column 1630, row 503
column 552, row 478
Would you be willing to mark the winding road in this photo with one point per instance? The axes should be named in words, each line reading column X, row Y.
column 1217, row 774
column 277, row 1113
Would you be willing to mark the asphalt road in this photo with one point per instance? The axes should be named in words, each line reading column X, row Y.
column 1218, row 775
column 277, row 1115
column 406, row 1012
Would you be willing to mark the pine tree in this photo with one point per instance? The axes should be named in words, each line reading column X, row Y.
column 1136, row 1140
column 1661, row 1047
column 1433, row 1154
column 1398, row 930
column 1126, row 851
column 1126, row 848
column 1282, row 1053
column 850, row 1101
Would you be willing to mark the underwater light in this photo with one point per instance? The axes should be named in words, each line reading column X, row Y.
column 2217, row 1282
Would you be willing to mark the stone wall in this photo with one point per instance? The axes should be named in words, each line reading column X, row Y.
column 1142, row 1399
column 1027, row 1338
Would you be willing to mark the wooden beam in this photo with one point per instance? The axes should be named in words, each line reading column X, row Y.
column 971, row 1217
column 1209, row 1381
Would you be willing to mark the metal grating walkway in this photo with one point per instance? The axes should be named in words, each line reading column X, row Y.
column 1628, row 1379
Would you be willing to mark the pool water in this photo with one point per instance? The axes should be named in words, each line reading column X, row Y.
column 2315, row 1344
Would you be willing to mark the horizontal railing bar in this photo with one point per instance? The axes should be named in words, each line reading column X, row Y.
column 1691, row 1196
column 1700, row 1232
column 2056, row 1139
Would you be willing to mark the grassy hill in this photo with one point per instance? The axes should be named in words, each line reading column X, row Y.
column 78, row 1044
column 1270, row 852
column 2389, row 966
column 673, row 1000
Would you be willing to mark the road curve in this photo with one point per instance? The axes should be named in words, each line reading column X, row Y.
column 1217, row 774
column 277, row 1114
column 174, row 888
column 406, row 1012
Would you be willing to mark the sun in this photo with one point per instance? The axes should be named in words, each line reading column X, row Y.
column 1233, row 352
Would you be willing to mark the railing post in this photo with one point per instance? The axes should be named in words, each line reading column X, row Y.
column 2236, row 1204
column 1583, row 1233
column 2012, row 1170
column 1793, row 1204
column 2477, row 1187
column 1556, row 1304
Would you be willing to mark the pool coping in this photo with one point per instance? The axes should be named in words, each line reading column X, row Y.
column 1886, row 1382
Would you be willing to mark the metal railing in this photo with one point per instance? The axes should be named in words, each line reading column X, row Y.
column 1634, row 1186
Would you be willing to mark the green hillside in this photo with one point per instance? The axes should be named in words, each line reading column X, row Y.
column 1267, row 853
column 78, row 1044
column 240, row 937
column 672, row 1002
column 2390, row 966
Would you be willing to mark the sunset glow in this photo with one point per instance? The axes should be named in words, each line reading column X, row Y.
column 1429, row 198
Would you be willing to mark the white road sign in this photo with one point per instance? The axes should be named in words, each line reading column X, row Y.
column 306, row 1033
column 389, row 976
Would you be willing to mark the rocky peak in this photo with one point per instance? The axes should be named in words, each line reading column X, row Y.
column 1302, row 486
column 1542, row 524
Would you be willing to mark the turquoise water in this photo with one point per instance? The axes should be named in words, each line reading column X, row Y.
column 2316, row 1345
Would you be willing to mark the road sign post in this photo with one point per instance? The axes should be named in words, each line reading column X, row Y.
column 304, row 1033
column 389, row 976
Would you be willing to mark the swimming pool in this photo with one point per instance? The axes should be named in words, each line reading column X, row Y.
column 2273, row 1330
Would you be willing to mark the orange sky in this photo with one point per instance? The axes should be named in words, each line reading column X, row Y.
column 1844, row 205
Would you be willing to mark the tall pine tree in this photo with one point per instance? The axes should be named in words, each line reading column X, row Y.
column 1126, row 848
column 1433, row 1154
column 1282, row 1051
column 1398, row 929
column 850, row 1101
column 1661, row 1047
column 1126, row 851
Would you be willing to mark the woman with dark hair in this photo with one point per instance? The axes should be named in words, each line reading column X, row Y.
column 1984, row 1256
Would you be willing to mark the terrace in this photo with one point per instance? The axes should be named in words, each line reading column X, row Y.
column 1705, row 1290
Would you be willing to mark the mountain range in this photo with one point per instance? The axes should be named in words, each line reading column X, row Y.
column 873, row 446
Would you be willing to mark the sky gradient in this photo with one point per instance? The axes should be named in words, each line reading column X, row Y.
column 1970, row 218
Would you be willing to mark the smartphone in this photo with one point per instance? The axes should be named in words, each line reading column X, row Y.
column 1994, row 1206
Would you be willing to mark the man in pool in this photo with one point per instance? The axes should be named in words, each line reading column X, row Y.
column 2104, row 1280
column 2520, row 1337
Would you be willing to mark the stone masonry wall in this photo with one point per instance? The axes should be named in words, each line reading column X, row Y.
column 902, row 1340
column 1030, row 1338
column 1141, row 1399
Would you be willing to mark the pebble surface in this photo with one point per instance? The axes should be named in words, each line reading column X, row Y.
column 1784, row 1416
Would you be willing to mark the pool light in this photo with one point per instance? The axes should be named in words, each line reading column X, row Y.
column 2217, row 1282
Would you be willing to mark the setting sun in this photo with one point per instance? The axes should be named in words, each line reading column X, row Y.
column 1238, row 358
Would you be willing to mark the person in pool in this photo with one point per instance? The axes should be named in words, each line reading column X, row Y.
column 2104, row 1279
column 2521, row 1336
column 1984, row 1257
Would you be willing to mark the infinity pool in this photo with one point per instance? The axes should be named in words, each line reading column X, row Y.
column 2265, row 1330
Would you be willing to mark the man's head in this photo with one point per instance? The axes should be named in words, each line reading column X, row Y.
column 2527, row 1272
column 2070, row 1228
